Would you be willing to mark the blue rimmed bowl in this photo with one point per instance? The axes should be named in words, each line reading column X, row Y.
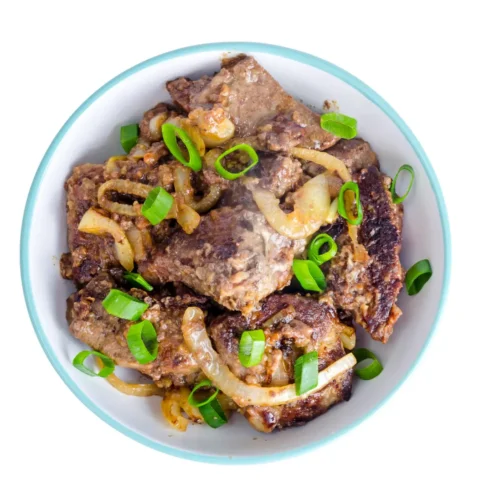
column 91, row 134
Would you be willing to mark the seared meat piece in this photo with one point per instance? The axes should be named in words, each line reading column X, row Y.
column 90, row 323
column 89, row 254
column 150, row 126
column 368, row 287
column 293, row 324
column 233, row 256
column 355, row 153
column 252, row 99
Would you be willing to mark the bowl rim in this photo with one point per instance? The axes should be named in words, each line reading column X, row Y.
column 222, row 47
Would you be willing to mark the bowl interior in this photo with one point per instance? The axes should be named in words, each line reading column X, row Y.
column 92, row 135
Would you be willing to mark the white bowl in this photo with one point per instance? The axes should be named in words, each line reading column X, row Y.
column 92, row 134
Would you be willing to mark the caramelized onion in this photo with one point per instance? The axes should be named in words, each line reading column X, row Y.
column 312, row 203
column 187, row 218
column 111, row 167
column 191, row 130
column 326, row 160
column 122, row 186
column 141, row 390
column 198, row 342
column 95, row 223
column 348, row 338
column 134, row 236
column 182, row 183
column 172, row 405
column 214, row 126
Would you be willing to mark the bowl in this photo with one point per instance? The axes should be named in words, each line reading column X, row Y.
column 91, row 134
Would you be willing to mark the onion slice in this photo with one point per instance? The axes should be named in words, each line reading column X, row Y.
column 198, row 342
column 326, row 160
column 125, row 187
column 95, row 223
column 312, row 204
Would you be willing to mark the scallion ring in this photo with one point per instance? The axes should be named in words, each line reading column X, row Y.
column 129, row 134
column 137, row 279
column 254, row 158
column 309, row 274
column 143, row 342
column 399, row 199
column 306, row 372
column 339, row 125
column 197, row 404
column 316, row 245
column 372, row 370
column 251, row 348
column 350, row 186
column 107, row 369
column 170, row 134
column 123, row 305
column 213, row 414
column 157, row 205
column 417, row 276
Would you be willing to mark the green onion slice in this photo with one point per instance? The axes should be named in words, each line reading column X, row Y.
column 107, row 369
column 399, row 199
column 210, row 408
column 350, row 186
column 306, row 372
column 129, row 134
column 143, row 342
column 197, row 404
column 372, row 370
column 340, row 125
column 213, row 414
column 309, row 274
column 123, row 305
column 137, row 279
column 254, row 158
column 316, row 245
column 252, row 345
column 170, row 134
column 157, row 205
column 417, row 276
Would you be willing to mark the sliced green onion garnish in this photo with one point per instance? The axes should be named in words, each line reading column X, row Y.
column 309, row 274
column 123, row 305
column 210, row 408
column 196, row 403
column 170, row 134
column 417, row 276
column 213, row 414
column 252, row 345
column 157, row 205
column 129, row 134
column 372, row 370
column 107, row 369
column 350, row 186
column 254, row 158
column 306, row 372
column 399, row 199
column 340, row 125
column 137, row 279
column 316, row 245
column 143, row 342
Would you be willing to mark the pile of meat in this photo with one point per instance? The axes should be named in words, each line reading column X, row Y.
column 235, row 266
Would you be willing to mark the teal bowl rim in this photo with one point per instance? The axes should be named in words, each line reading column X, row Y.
column 295, row 55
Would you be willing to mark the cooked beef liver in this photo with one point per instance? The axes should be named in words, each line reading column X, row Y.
column 256, row 103
column 90, row 323
column 233, row 256
column 368, row 288
column 291, row 323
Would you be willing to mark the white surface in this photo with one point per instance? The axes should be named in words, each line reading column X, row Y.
column 440, row 430
column 94, row 137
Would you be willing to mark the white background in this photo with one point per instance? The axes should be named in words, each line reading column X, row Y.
column 437, row 64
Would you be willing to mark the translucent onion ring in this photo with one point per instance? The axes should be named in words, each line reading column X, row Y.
column 326, row 160
column 200, row 345
column 140, row 390
column 134, row 236
column 95, row 223
column 172, row 405
column 125, row 187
